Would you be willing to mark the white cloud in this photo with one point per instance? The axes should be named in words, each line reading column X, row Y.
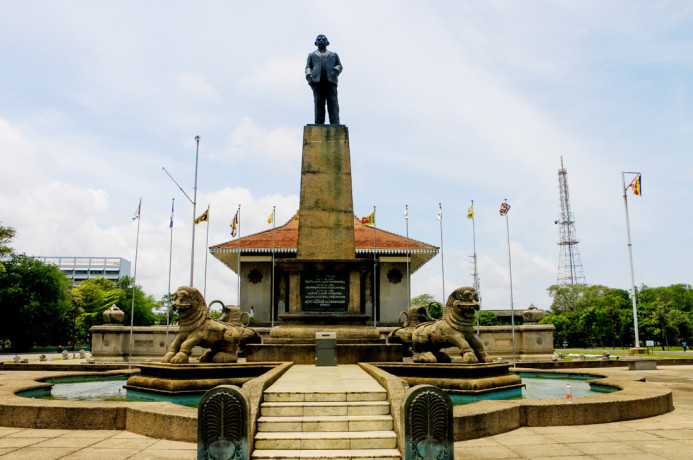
column 276, row 148
column 278, row 78
column 196, row 84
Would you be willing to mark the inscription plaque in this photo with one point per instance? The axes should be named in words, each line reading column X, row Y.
column 325, row 292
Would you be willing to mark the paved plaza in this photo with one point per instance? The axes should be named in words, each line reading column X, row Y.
column 668, row 436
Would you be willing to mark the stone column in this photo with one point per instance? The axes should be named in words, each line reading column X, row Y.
column 326, row 219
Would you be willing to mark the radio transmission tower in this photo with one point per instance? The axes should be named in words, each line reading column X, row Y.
column 569, row 263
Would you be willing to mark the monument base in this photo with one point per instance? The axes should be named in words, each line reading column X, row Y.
column 194, row 378
column 304, row 353
column 456, row 377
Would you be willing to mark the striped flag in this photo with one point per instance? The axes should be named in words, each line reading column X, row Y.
column 137, row 212
column 234, row 224
column 170, row 225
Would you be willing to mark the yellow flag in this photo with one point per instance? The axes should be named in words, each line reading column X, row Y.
column 269, row 219
column 470, row 212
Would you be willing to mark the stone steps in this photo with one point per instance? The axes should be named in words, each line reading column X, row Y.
column 297, row 408
column 317, row 413
column 326, row 440
column 379, row 454
column 326, row 423
column 324, row 396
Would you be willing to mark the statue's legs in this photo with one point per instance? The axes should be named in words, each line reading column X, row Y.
column 319, row 97
column 332, row 104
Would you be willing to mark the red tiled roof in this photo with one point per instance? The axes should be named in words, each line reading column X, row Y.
column 286, row 241
column 286, row 237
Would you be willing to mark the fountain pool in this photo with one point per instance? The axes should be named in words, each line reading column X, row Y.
column 538, row 385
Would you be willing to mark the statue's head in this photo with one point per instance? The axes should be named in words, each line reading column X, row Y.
column 464, row 299
column 187, row 298
column 321, row 40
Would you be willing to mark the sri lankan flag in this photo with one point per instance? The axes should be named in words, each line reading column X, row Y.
column 636, row 184
column 203, row 218
column 234, row 224
column 369, row 219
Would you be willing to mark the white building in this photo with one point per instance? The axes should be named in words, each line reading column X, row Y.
column 80, row 269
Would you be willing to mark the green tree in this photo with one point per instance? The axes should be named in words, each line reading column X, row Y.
column 6, row 236
column 89, row 300
column 435, row 308
column 145, row 304
column 35, row 300
column 423, row 299
column 160, row 313
column 487, row 318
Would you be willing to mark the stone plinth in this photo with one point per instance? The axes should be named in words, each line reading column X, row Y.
column 532, row 341
column 194, row 378
column 112, row 343
column 326, row 219
column 304, row 353
column 456, row 377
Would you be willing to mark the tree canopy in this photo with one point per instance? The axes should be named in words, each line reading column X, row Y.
column 587, row 315
column 35, row 299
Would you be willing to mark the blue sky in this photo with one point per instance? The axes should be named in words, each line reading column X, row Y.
column 445, row 102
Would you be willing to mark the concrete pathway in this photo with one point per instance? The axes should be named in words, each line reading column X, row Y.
column 668, row 436
column 28, row 444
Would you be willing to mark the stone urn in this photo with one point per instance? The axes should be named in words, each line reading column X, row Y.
column 532, row 315
column 113, row 315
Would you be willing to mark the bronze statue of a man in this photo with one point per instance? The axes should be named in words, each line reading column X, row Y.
column 322, row 71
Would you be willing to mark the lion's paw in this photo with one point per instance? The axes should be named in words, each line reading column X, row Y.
column 180, row 358
column 425, row 357
column 167, row 357
column 469, row 358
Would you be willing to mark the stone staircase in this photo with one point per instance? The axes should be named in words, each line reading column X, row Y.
column 309, row 424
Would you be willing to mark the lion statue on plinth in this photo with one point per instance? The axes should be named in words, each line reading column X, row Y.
column 409, row 320
column 197, row 328
column 239, row 319
column 454, row 329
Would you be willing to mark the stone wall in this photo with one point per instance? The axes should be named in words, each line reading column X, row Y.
column 112, row 343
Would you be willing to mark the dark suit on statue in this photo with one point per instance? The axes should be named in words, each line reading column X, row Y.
column 322, row 72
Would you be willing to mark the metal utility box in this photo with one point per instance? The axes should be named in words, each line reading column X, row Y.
column 325, row 348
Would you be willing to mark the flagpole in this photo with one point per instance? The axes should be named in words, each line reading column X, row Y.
column 238, row 266
column 206, row 254
column 442, row 260
column 192, row 252
column 134, row 285
column 510, row 271
column 630, row 258
column 476, row 273
column 170, row 259
column 274, row 227
column 375, row 284
column 406, row 220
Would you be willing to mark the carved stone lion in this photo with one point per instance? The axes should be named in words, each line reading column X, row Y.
column 233, row 315
column 197, row 328
column 454, row 329
column 416, row 315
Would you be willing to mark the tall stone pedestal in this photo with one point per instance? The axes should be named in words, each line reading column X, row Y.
column 326, row 283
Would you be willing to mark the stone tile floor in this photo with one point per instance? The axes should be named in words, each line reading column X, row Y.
column 30, row 444
column 668, row 436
